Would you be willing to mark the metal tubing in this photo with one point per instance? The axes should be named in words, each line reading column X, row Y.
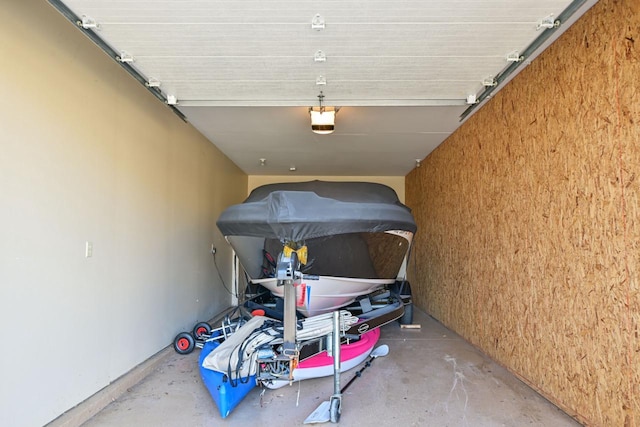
column 336, row 353
column 289, row 315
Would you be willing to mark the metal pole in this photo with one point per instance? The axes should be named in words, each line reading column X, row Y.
column 286, row 275
column 336, row 353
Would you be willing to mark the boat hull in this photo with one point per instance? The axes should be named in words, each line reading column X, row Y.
column 350, row 239
column 321, row 365
column 321, row 294
column 339, row 268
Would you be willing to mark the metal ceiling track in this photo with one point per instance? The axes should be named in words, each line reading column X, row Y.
column 528, row 52
column 77, row 21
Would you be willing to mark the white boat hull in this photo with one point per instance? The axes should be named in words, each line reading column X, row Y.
column 323, row 294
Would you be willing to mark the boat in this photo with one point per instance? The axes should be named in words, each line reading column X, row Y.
column 321, row 365
column 326, row 250
column 351, row 238
column 225, row 393
column 232, row 367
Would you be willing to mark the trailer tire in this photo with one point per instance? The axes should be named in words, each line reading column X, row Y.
column 407, row 317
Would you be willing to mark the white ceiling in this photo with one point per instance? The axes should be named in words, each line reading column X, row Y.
column 245, row 72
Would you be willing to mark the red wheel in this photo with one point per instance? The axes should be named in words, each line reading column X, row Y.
column 201, row 329
column 184, row 343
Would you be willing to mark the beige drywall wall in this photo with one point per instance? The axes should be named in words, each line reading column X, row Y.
column 88, row 155
column 395, row 182
column 528, row 229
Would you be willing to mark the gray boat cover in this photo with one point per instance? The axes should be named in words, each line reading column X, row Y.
column 293, row 212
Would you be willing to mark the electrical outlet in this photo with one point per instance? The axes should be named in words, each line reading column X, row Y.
column 88, row 249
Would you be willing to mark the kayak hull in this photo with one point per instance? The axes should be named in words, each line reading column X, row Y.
column 321, row 365
column 226, row 394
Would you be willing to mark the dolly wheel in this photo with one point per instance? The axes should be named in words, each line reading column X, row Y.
column 335, row 410
column 201, row 329
column 184, row 343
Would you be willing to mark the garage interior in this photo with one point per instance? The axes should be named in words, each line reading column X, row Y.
column 527, row 209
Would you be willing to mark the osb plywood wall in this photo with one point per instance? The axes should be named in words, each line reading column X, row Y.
column 529, row 241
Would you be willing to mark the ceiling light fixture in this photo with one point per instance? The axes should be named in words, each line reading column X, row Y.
column 322, row 118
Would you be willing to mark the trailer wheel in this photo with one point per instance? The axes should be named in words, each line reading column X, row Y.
column 403, row 290
column 201, row 329
column 335, row 410
column 184, row 343
column 407, row 317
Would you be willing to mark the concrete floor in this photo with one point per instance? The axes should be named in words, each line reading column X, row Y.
column 431, row 377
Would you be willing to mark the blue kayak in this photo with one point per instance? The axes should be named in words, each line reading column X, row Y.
column 227, row 394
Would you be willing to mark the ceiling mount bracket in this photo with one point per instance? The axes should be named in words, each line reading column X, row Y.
column 153, row 82
column 321, row 81
column 515, row 56
column 317, row 23
column 489, row 82
column 548, row 22
column 87, row 22
column 319, row 56
column 124, row 57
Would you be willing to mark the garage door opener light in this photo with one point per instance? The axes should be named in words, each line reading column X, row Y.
column 322, row 118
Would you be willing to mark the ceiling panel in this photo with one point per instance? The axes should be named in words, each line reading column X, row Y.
column 295, row 11
column 340, row 68
column 363, row 137
column 392, row 40
column 403, row 71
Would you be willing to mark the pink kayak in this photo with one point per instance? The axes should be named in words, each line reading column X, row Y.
column 321, row 365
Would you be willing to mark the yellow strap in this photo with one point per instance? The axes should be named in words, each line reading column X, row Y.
column 302, row 253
